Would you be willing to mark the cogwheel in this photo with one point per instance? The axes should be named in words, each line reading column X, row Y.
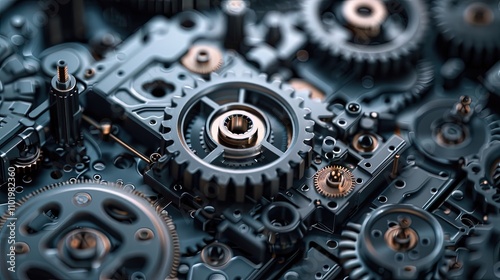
column 334, row 181
column 484, row 173
column 469, row 30
column 483, row 261
column 398, row 241
column 203, row 59
column 373, row 36
column 29, row 161
column 126, row 236
column 241, row 114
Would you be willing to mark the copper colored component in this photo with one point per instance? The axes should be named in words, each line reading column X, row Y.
column 203, row 59
column 334, row 181
column 401, row 237
column 365, row 16
column 315, row 93
column 478, row 13
column 463, row 107
column 365, row 142
column 394, row 172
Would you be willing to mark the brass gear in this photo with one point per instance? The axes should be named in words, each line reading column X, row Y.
column 29, row 163
column 334, row 181
column 203, row 59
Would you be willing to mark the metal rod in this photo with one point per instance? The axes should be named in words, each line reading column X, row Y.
column 117, row 140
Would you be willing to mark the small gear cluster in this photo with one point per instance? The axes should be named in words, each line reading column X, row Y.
column 334, row 181
column 373, row 36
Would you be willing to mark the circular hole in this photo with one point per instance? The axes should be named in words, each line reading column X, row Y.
column 237, row 213
column 280, row 215
column 56, row 174
column 100, row 68
column 476, row 169
column 425, row 241
column 120, row 73
column 434, row 190
column 67, row 168
column 326, row 267
column 19, row 189
column 305, row 188
column 359, row 180
column 443, row 174
column 399, row 257
column 382, row 199
column 318, row 275
column 391, row 148
column 364, row 11
column 368, row 164
column 158, row 88
column 181, row 77
column 331, row 244
column 61, row 62
column 238, row 124
column 342, row 122
column 332, row 204
column 399, row 184
column 152, row 122
column 376, row 233
column 99, row 166
column 336, row 149
column 329, row 142
column 187, row 23
column 329, row 155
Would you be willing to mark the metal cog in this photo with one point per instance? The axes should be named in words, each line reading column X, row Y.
column 203, row 59
column 29, row 162
column 105, row 214
column 216, row 174
column 383, row 53
column 366, row 252
column 467, row 29
column 334, row 181
column 484, row 172
column 483, row 261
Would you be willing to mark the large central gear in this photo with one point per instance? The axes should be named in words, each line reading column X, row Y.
column 238, row 135
column 89, row 230
column 374, row 36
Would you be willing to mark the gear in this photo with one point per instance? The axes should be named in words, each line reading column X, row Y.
column 202, row 59
column 97, row 230
column 237, row 132
column 467, row 29
column 29, row 161
column 373, row 36
column 446, row 134
column 484, row 172
column 483, row 261
column 398, row 241
column 334, row 181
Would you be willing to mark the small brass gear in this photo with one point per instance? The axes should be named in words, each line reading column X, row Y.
column 203, row 59
column 334, row 181
column 29, row 162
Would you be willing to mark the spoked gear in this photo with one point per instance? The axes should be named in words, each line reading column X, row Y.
column 469, row 29
column 89, row 230
column 257, row 134
column 334, row 181
column 374, row 36
column 394, row 242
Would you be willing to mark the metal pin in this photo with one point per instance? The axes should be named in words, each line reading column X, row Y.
column 395, row 164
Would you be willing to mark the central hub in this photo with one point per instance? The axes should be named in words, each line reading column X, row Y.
column 478, row 14
column 84, row 244
column 237, row 129
column 365, row 16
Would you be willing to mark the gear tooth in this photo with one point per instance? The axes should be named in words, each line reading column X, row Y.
column 186, row 90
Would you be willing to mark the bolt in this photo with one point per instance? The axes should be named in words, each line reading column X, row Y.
column 215, row 254
column 62, row 72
